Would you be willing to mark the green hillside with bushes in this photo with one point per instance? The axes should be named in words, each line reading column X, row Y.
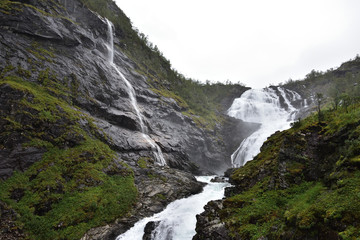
column 305, row 183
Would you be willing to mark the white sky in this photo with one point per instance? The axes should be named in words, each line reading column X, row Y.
column 256, row 42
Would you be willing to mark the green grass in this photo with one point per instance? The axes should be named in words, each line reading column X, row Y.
column 305, row 207
column 67, row 192
column 309, row 206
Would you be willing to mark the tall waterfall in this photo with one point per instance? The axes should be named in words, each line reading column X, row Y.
column 131, row 92
column 261, row 106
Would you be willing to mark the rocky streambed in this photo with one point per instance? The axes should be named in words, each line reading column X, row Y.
column 157, row 187
column 178, row 220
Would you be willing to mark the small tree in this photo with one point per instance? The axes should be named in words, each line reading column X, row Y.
column 319, row 98
column 335, row 93
column 296, row 124
column 345, row 101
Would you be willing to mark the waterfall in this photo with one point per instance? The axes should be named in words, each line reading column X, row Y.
column 261, row 106
column 131, row 92
column 305, row 103
column 178, row 220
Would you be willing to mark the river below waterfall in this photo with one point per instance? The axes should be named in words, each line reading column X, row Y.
column 178, row 220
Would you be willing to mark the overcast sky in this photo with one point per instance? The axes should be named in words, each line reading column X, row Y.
column 256, row 42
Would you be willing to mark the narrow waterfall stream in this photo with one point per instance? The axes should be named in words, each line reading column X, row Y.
column 178, row 220
column 261, row 106
column 130, row 90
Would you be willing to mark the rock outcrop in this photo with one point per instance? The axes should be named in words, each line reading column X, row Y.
column 209, row 225
column 293, row 188
column 157, row 188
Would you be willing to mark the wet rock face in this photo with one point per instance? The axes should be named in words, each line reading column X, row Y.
column 149, row 228
column 71, row 44
column 208, row 225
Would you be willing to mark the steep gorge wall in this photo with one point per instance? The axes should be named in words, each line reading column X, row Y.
column 63, row 43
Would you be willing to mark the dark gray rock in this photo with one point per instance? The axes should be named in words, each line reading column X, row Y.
column 18, row 158
column 219, row 179
column 208, row 224
column 149, row 228
column 8, row 227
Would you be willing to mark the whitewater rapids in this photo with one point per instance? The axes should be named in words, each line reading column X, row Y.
column 178, row 220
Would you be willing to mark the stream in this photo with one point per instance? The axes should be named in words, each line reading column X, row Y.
column 178, row 220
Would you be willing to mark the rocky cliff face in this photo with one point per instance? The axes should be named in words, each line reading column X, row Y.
column 69, row 132
column 67, row 42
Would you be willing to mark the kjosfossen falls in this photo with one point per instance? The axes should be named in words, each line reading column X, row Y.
column 102, row 139
column 262, row 106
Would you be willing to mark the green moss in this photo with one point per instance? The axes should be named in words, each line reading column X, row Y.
column 67, row 192
column 169, row 94
column 160, row 196
column 13, row 7
column 143, row 162
column 301, row 207
column 7, row 69
column 40, row 53
column 23, row 72
column 7, row 6
column 257, row 212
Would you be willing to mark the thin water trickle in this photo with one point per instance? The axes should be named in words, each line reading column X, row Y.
column 131, row 92
column 261, row 106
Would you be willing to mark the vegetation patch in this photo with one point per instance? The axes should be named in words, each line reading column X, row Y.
column 143, row 162
column 67, row 191
column 312, row 202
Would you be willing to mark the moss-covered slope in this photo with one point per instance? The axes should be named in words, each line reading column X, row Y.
column 336, row 85
column 79, row 182
column 303, row 185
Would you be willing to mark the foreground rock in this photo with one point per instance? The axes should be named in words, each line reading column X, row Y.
column 157, row 188
column 209, row 225
column 150, row 226
column 219, row 179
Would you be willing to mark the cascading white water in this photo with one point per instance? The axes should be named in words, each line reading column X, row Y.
column 131, row 92
column 305, row 104
column 261, row 106
column 178, row 220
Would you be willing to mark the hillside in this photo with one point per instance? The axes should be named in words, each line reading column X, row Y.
column 74, row 161
column 81, row 136
column 335, row 84
column 303, row 185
